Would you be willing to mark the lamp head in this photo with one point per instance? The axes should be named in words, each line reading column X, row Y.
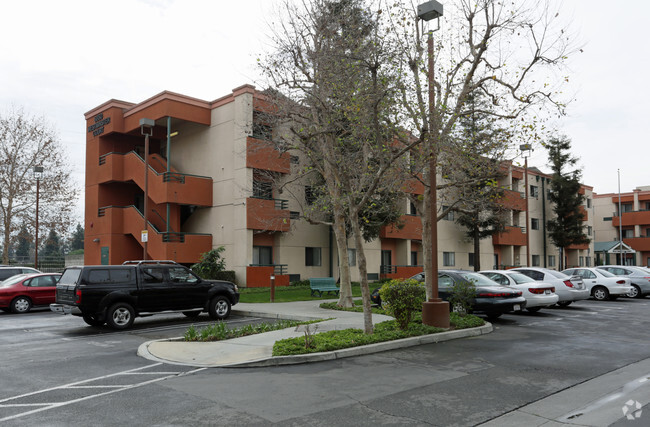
column 429, row 10
column 146, row 126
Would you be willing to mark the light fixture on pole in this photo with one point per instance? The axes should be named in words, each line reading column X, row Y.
column 38, row 172
column 525, row 151
column 435, row 312
column 146, row 129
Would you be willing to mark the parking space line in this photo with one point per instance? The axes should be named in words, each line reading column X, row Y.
column 40, row 407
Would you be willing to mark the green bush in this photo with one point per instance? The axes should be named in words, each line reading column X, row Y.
column 228, row 275
column 402, row 298
column 210, row 264
column 462, row 296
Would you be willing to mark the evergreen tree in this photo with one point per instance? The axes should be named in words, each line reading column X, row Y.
column 77, row 238
column 24, row 244
column 52, row 251
column 567, row 227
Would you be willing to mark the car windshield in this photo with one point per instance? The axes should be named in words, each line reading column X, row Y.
column 557, row 274
column 520, row 278
column 478, row 279
column 12, row 280
column 605, row 273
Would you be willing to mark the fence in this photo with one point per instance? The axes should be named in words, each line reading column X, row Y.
column 46, row 264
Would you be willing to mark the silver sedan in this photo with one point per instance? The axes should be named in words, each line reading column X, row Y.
column 602, row 284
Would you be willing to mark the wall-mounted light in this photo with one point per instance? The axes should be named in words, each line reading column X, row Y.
column 96, row 240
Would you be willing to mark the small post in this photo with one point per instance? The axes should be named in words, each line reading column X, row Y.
column 272, row 288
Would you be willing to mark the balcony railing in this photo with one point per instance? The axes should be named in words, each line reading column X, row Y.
column 278, row 269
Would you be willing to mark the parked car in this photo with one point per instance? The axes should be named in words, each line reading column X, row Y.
column 7, row 272
column 602, row 284
column 538, row 294
column 21, row 292
column 116, row 294
column 568, row 288
column 491, row 298
column 639, row 278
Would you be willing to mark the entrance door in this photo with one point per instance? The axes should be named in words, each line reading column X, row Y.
column 386, row 261
column 104, row 255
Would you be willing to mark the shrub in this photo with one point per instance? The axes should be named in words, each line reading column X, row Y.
column 228, row 275
column 462, row 296
column 210, row 264
column 402, row 298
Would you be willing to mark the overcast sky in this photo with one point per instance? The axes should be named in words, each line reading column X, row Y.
column 61, row 59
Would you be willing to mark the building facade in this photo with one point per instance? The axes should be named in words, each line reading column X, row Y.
column 631, row 224
column 207, row 185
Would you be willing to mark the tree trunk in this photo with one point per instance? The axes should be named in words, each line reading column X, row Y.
column 477, row 250
column 363, row 272
column 345, row 295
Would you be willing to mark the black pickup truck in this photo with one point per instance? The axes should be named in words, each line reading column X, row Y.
column 117, row 294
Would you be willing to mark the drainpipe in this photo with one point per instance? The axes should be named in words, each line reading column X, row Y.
column 169, row 143
column 544, row 218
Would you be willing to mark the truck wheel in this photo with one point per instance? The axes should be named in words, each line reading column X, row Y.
column 21, row 305
column 120, row 316
column 219, row 307
column 92, row 320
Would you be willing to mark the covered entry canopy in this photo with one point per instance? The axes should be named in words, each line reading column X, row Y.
column 605, row 250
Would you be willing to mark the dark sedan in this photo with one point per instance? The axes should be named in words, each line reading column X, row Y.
column 491, row 298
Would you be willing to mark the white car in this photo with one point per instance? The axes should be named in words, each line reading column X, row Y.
column 538, row 294
column 568, row 288
column 602, row 284
column 639, row 278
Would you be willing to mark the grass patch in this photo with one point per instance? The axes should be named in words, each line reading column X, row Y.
column 287, row 294
column 384, row 331
column 220, row 331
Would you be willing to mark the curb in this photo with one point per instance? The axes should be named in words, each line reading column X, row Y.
column 143, row 349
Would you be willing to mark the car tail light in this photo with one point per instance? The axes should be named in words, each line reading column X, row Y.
column 536, row 291
column 568, row 283
column 553, row 289
column 620, row 282
column 495, row 294
column 78, row 295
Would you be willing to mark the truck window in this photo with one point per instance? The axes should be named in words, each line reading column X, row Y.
column 152, row 275
column 181, row 275
column 70, row 276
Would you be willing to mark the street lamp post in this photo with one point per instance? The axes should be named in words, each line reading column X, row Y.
column 38, row 171
column 146, row 129
column 435, row 312
column 528, row 148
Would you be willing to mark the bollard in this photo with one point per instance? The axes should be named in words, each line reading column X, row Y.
column 272, row 288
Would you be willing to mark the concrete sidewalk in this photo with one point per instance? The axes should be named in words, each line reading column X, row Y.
column 256, row 350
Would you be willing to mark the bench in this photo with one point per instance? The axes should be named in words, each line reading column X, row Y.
column 319, row 285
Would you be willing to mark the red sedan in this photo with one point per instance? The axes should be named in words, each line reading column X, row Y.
column 20, row 293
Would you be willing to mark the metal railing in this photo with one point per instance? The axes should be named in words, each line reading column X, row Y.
column 278, row 269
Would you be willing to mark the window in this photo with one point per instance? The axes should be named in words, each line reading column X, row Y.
column 310, row 195
column 450, row 214
column 647, row 232
column 607, row 218
column 588, row 261
column 534, row 223
column 582, row 261
column 534, row 191
column 588, row 203
column 471, row 259
column 628, row 234
column 352, row 257
column 294, row 215
column 589, row 230
column 448, row 259
column 181, row 275
column 260, row 129
column 627, row 208
column 263, row 255
column 312, row 257
column 262, row 190
column 551, row 260
column 535, row 260
column 414, row 258
column 412, row 210
column 152, row 274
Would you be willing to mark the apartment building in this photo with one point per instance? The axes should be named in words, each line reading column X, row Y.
column 630, row 224
column 208, row 169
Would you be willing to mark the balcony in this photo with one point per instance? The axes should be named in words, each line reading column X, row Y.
column 640, row 244
column 267, row 214
column 164, row 187
column 412, row 229
column 514, row 200
column 261, row 154
column 582, row 247
column 180, row 247
column 632, row 218
column 512, row 236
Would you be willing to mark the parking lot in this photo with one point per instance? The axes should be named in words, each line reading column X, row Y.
column 57, row 371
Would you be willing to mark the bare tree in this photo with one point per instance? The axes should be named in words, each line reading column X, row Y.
column 509, row 52
column 27, row 142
